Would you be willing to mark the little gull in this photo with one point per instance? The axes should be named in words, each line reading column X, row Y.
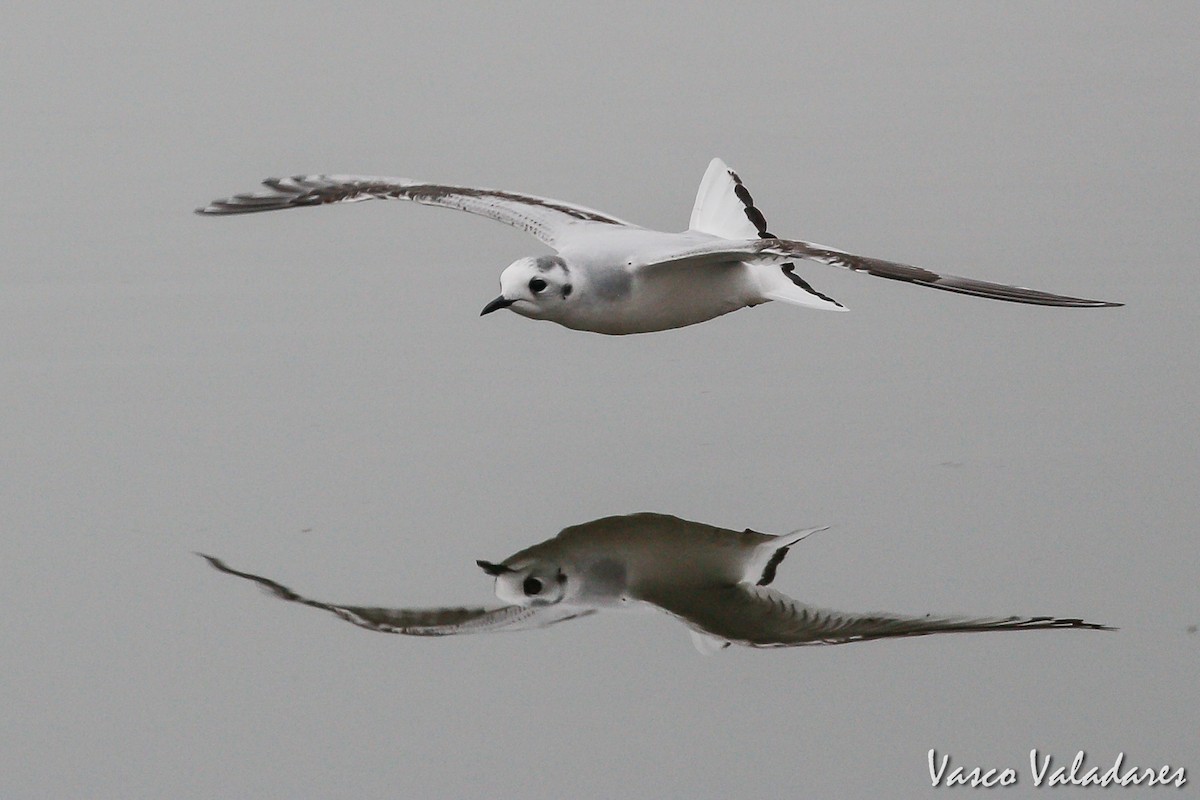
column 614, row 277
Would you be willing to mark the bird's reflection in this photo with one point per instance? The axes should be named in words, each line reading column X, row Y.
column 713, row 580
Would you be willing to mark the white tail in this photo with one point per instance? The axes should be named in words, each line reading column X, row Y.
column 780, row 282
column 725, row 208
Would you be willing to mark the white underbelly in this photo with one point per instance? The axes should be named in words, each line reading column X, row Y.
column 672, row 298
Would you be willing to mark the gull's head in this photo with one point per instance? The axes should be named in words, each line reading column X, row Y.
column 539, row 288
column 533, row 583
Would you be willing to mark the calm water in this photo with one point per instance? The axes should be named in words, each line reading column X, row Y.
column 313, row 396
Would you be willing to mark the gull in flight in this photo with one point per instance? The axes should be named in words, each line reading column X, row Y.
column 711, row 579
column 614, row 277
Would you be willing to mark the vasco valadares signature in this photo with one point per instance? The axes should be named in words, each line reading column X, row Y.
column 1046, row 772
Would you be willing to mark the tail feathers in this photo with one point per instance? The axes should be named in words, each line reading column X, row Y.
column 780, row 282
column 779, row 550
column 725, row 208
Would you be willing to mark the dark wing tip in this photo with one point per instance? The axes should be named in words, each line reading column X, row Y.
column 221, row 208
column 1099, row 304
column 1012, row 294
column 897, row 271
column 1063, row 622
column 1091, row 626
column 217, row 208
column 213, row 561
column 285, row 193
column 224, row 208
column 221, row 566
column 987, row 289
column 1047, row 299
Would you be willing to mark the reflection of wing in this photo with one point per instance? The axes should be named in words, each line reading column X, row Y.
column 546, row 219
column 421, row 621
column 783, row 249
column 757, row 616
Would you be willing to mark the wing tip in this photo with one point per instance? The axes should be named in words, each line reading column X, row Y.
column 230, row 206
column 213, row 561
column 1072, row 302
column 1090, row 626
column 1067, row 302
column 284, row 193
column 1098, row 304
column 1059, row 623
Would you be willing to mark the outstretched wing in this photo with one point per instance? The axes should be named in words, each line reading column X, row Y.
column 780, row 250
column 896, row 271
column 757, row 616
column 548, row 220
column 420, row 621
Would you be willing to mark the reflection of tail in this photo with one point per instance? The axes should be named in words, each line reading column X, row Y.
column 725, row 208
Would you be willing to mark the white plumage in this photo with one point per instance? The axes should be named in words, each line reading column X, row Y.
column 611, row 276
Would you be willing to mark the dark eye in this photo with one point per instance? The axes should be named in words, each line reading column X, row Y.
column 537, row 286
column 531, row 586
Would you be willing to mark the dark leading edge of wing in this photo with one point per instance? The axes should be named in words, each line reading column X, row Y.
column 758, row 616
column 542, row 217
column 416, row 621
column 317, row 190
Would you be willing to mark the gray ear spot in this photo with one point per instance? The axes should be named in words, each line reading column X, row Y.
column 547, row 263
column 493, row 569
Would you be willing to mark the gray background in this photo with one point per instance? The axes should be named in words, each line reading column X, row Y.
column 311, row 395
